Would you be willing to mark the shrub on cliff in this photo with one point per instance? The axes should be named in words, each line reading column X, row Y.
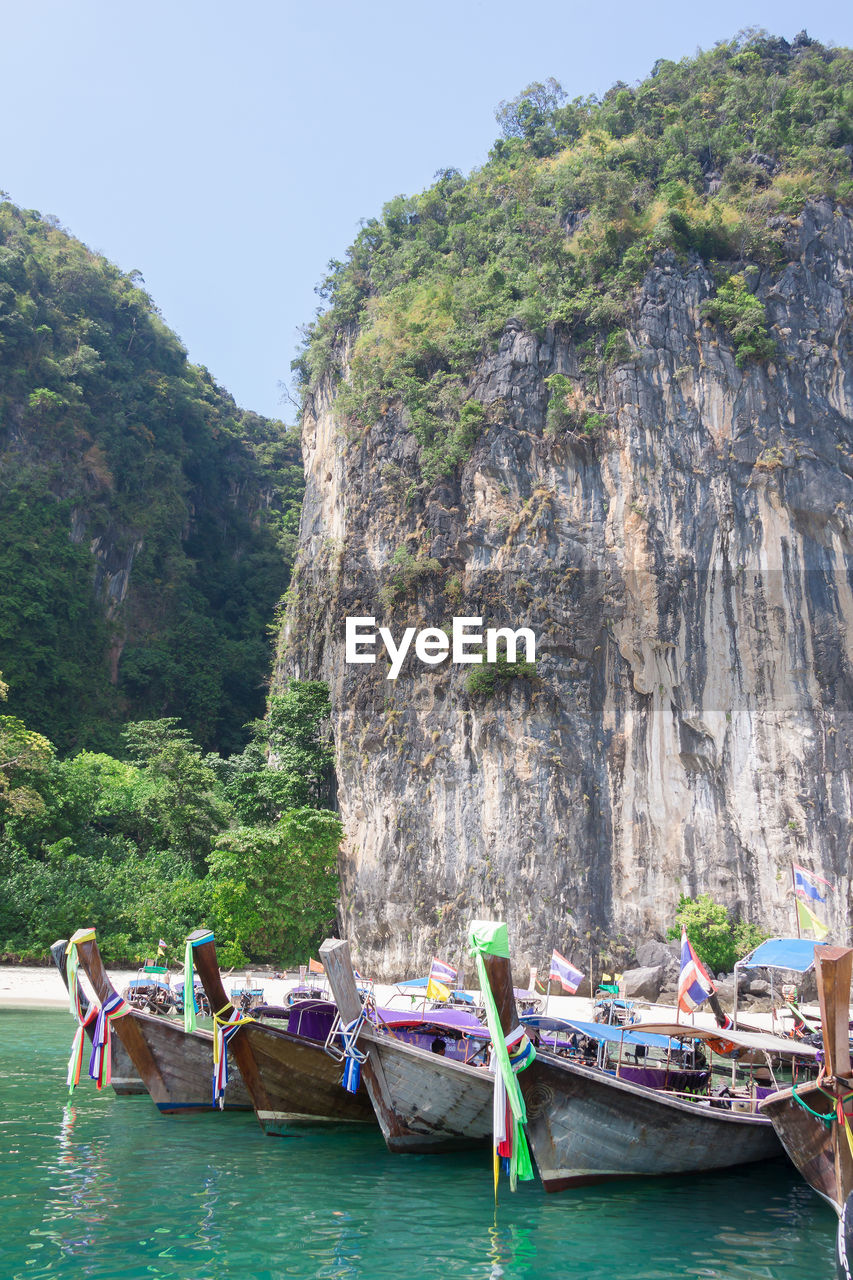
column 717, row 940
column 738, row 310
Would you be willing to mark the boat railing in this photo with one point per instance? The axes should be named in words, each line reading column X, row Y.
column 347, row 1035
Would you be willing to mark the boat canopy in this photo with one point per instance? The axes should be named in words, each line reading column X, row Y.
column 596, row 1030
column 453, row 1019
column 782, row 953
column 420, row 984
column 743, row 1039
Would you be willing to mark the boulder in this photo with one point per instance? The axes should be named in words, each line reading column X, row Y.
column 644, row 983
column 758, row 987
column 651, row 953
column 726, row 988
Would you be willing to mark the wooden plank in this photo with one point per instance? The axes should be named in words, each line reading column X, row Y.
column 335, row 955
column 834, row 966
column 239, row 1046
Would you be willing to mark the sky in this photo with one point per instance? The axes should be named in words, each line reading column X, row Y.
column 229, row 152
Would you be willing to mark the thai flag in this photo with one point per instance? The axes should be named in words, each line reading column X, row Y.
column 694, row 985
column 441, row 972
column 565, row 973
column 806, row 884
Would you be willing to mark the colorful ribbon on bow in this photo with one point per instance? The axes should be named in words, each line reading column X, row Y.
column 223, row 1030
column 521, row 1054
column 189, row 980
column 509, row 1112
column 83, row 1017
column 100, row 1065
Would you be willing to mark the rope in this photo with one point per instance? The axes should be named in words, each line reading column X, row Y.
column 353, row 1056
column 837, row 1116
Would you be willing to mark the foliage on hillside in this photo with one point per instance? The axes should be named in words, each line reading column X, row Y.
column 118, row 454
column 718, row 940
column 562, row 222
column 159, row 844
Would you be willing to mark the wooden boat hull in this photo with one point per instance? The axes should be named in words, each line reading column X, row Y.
column 185, row 1063
column 125, row 1080
column 820, row 1152
column 175, row 1067
column 302, row 1083
column 440, row 1104
column 423, row 1101
column 584, row 1126
column 289, row 1077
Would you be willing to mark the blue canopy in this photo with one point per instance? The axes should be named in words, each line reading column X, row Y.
column 596, row 1030
column 782, row 953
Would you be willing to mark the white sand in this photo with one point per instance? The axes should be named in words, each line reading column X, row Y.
column 23, row 987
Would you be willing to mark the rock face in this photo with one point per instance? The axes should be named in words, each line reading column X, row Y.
column 687, row 576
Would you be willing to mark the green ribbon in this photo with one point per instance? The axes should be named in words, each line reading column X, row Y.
column 487, row 938
column 189, row 984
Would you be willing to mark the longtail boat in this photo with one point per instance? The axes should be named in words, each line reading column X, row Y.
column 175, row 1066
column 585, row 1125
column 125, row 1080
column 813, row 1121
column 425, row 1098
column 289, row 1076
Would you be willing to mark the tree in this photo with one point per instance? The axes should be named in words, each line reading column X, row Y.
column 24, row 757
column 274, row 889
column 717, row 940
column 293, row 736
column 530, row 113
column 178, row 794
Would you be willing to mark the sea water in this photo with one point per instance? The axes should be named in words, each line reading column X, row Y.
column 105, row 1188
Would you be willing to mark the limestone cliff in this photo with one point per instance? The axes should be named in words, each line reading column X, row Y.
column 688, row 576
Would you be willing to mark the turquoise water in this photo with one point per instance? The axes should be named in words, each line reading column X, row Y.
column 106, row 1187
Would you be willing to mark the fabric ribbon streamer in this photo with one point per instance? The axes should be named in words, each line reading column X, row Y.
column 510, row 1054
column 223, row 1029
column 83, row 1017
column 353, row 1056
column 100, row 1065
column 189, row 981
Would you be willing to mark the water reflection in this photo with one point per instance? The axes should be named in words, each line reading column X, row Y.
column 106, row 1187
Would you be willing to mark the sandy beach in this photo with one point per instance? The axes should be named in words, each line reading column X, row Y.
column 26, row 987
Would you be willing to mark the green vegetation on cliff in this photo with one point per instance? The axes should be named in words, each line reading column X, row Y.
column 148, row 525
column 707, row 156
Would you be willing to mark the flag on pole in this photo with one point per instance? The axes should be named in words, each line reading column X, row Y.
column 314, row 966
column 806, row 884
column 441, row 978
column 161, row 946
column 564, row 972
column 808, row 920
column 694, row 985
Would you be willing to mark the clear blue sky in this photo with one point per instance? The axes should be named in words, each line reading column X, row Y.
column 228, row 151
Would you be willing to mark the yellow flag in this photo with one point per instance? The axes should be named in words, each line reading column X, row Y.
column 437, row 990
column 808, row 920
